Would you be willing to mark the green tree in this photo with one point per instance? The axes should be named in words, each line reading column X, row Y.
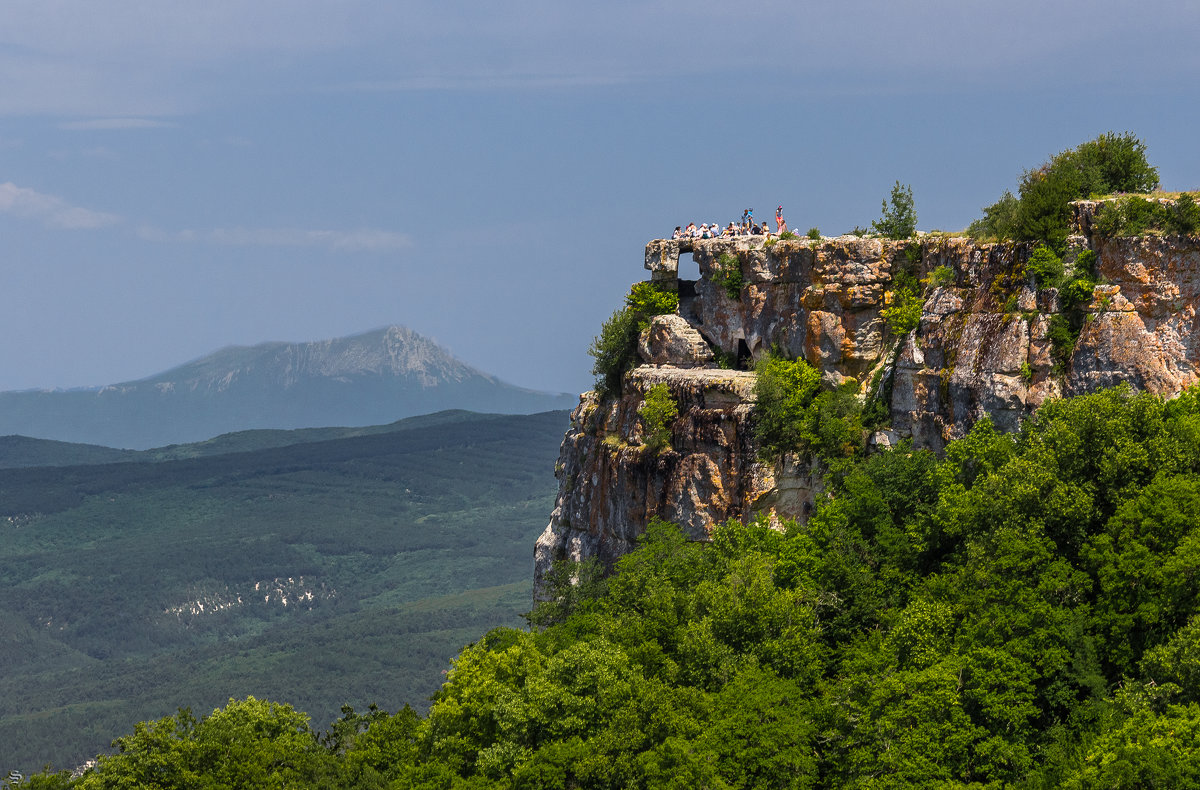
column 1045, row 266
column 658, row 412
column 1143, row 743
column 247, row 744
column 898, row 219
column 783, row 392
column 1110, row 163
column 615, row 348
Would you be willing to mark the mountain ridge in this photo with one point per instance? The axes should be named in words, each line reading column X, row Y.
column 371, row 378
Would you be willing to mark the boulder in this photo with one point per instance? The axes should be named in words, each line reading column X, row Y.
column 671, row 341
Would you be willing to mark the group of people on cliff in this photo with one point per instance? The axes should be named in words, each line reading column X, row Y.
column 747, row 227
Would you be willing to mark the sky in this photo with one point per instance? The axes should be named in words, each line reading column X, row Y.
column 180, row 177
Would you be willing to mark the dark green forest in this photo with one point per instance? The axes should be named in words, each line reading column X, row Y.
column 323, row 566
column 1019, row 613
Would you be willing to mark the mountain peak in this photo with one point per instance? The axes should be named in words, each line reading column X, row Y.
column 370, row 378
column 388, row 351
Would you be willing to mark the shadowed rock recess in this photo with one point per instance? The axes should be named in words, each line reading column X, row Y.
column 982, row 347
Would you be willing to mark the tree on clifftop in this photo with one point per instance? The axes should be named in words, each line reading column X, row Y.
column 899, row 220
column 1110, row 163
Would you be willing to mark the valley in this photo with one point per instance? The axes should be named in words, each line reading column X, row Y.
column 325, row 567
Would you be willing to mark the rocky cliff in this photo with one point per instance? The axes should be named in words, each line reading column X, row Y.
column 983, row 346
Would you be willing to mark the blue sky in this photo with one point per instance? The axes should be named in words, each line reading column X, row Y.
column 176, row 177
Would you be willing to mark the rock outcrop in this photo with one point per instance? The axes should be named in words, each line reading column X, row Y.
column 611, row 484
column 984, row 346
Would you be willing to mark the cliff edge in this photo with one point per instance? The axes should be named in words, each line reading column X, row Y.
column 989, row 341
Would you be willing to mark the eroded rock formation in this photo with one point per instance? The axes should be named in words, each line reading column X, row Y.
column 982, row 347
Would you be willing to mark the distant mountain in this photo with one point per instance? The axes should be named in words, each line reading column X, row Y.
column 376, row 377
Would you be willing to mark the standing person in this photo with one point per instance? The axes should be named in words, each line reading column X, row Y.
column 780, row 222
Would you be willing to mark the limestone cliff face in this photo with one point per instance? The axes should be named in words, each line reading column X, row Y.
column 611, row 485
column 982, row 347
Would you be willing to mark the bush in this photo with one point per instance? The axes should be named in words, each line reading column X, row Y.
column 647, row 300
column 999, row 220
column 1110, row 163
column 615, row 349
column 1062, row 337
column 899, row 220
column 940, row 277
column 787, row 235
column 1046, row 267
column 814, row 234
column 903, row 313
column 794, row 415
column 784, row 389
column 1076, row 294
column 1085, row 262
column 727, row 274
column 1135, row 216
column 1184, row 218
column 658, row 411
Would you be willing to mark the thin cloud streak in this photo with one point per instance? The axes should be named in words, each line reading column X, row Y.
column 50, row 211
column 360, row 240
column 115, row 123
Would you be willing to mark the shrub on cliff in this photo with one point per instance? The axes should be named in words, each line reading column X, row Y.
column 615, row 348
column 1110, row 163
column 903, row 311
column 899, row 219
column 1045, row 266
column 793, row 414
column 783, row 391
column 727, row 275
column 658, row 411
column 1184, row 219
column 1135, row 216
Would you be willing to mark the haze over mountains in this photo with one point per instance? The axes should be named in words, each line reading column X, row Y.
column 367, row 379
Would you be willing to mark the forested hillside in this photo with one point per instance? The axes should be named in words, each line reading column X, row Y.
column 289, row 565
column 1020, row 613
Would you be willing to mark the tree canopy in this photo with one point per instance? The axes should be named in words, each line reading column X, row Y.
column 1021, row 612
column 1109, row 164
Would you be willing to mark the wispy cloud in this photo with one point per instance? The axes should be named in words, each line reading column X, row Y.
column 51, row 211
column 360, row 240
column 115, row 123
column 486, row 81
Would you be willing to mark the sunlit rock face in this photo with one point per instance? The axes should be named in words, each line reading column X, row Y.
column 982, row 348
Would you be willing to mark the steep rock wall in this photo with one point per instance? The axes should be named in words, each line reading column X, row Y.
column 611, row 485
column 982, row 347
